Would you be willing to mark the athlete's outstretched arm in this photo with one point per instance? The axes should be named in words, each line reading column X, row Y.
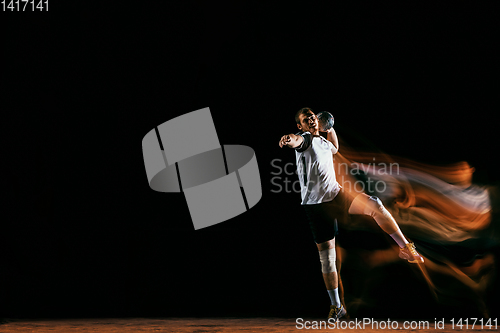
column 291, row 140
column 332, row 137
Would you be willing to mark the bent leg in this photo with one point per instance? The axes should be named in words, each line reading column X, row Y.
column 372, row 206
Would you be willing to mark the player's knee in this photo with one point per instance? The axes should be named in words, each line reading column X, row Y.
column 373, row 206
column 327, row 258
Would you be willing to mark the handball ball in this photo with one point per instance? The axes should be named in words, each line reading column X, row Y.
column 325, row 120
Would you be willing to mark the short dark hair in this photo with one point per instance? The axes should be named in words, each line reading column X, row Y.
column 301, row 111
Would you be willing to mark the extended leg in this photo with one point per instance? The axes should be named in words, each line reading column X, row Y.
column 327, row 257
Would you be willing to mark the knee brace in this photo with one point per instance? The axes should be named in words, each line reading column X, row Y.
column 327, row 258
column 375, row 208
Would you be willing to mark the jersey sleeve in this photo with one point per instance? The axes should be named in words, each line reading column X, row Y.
column 306, row 143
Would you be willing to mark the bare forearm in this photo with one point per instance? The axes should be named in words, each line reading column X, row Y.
column 296, row 141
column 332, row 137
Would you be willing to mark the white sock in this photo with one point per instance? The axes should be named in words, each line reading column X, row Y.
column 399, row 238
column 334, row 297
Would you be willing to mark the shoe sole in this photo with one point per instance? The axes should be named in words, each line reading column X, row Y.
column 414, row 261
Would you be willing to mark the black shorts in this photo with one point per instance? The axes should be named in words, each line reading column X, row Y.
column 323, row 217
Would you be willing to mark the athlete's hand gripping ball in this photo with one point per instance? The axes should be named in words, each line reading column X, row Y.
column 325, row 120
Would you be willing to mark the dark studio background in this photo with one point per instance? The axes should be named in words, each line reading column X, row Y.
column 83, row 234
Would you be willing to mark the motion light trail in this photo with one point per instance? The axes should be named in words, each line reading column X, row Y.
column 449, row 218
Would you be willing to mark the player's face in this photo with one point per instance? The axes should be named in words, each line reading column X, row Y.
column 308, row 123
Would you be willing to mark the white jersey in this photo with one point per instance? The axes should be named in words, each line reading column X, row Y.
column 314, row 159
